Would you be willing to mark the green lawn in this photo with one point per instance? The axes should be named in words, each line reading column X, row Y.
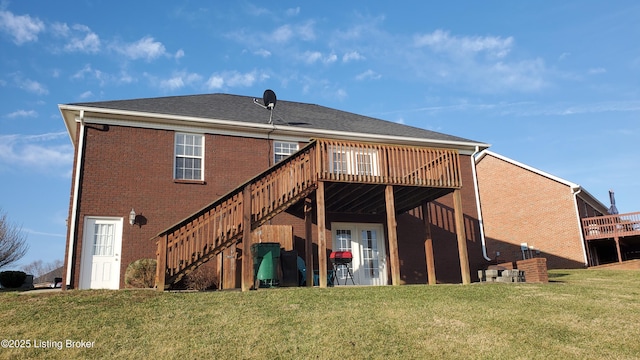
column 580, row 314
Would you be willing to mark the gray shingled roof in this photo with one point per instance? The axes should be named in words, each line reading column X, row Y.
column 241, row 108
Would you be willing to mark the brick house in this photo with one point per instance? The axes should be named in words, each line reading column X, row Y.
column 180, row 178
column 527, row 213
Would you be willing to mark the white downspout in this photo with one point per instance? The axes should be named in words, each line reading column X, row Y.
column 74, row 206
column 479, row 207
column 575, row 190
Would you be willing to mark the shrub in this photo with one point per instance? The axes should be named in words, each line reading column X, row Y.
column 12, row 279
column 202, row 278
column 141, row 274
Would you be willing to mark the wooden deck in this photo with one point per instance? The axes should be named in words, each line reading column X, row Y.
column 193, row 241
column 611, row 226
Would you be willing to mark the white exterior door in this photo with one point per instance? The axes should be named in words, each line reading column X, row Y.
column 366, row 243
column 101, row 247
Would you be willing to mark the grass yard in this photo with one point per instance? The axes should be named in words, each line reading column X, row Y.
column 580, row 314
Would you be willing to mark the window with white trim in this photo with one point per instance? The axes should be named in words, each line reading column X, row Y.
column 281, row 150
column 189, row 157
column 354, row 161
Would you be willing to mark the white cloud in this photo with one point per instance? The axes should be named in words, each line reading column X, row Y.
column 22, row 28
column 352, row 56
column 80, row 74
column 282, row 34
column 442, row 41
column 597, row 71
column 31, row 86
column 179, row 54
column 215, row 82
column 369, row 74
column 80, row 38
column 40, row 153
column 262, row 52
column 523, row 75
column 306, row 31
column 311, row 57
column 293, row 11
column 146, row 48
column 86, row 95
column 125, row 78
column 90, row 43
column 88, row 72
column 234, row 79
column 60, row 29
column 480, row 63
column 22, row 113
column 180, row 80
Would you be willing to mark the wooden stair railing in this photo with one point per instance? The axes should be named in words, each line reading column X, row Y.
column 196, row 239
column 201, row 236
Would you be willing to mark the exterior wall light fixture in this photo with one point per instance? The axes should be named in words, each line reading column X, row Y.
column 132, row 217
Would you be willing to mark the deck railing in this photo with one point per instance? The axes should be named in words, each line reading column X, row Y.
column 388, row 164
column 611, row 226
column 199, row 237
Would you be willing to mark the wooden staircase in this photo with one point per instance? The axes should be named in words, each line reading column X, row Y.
column 201, row 236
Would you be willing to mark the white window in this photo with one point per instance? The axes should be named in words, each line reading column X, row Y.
column 354, row 161
column 282, row 150
column 103, row 238
column 189, row 156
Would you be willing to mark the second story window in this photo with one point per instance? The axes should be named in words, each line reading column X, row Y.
column 354, row 161
column 189, row 156
column 282, row 149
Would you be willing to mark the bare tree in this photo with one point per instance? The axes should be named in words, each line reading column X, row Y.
column 13, row 243
column 38, row 268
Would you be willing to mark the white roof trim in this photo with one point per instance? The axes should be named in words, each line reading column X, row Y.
column 527, row 167
column 248, row 127
column 574, row 187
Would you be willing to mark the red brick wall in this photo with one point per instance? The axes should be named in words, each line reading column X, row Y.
column 520, row 206
column 411, row 236
column 535, row 270
column 126, row 167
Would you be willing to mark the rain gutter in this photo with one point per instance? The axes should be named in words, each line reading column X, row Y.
column 575, row 190
column 478, row 205
column 74, row 207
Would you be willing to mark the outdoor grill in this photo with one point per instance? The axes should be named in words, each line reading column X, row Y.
column 338, row 259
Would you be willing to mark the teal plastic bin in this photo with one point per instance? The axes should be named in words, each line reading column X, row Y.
column 266, row 261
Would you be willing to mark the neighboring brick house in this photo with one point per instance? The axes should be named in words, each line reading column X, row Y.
column 527, row 212
column 166, row 159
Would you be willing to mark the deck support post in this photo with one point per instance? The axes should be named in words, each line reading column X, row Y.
column 428, row 244
column 462, row 237
column 322, row 241
column 308, row 243
column 392, row 234
column 161, row 262
column 617, row 239
column 247, row 260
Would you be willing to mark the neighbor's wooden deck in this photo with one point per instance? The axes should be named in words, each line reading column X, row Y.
column 611, row 226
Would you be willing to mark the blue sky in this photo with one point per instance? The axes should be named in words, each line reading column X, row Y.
column 554, row 85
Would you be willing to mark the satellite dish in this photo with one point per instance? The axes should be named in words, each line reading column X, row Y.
column 269, row 99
